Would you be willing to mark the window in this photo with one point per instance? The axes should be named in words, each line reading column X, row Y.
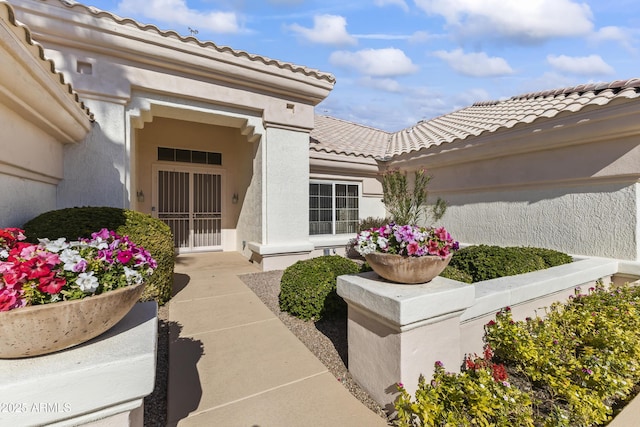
column 333, row 208
column 189, row 156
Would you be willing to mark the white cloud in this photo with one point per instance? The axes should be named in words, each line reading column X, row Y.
column 521, row 20
column 388, row 62
column 327, row 29
column 384, row 84
column 400, row 3
column 177, row 13
column 420, row 37
column 582, row 65
column 623, row 36
column 475, row 64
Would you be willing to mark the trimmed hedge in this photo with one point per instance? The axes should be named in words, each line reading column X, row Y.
column 454, row 274
column 483, row 262
column 144, row 230
column 308, row 287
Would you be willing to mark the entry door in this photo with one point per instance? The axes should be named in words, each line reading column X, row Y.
column 190, row 203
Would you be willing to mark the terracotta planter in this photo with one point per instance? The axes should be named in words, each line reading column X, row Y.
column 404, row 269
column 43, row 329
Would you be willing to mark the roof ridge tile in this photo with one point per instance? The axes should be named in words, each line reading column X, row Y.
column 205, row 44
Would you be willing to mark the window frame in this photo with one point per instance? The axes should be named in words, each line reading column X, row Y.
column 334, row 207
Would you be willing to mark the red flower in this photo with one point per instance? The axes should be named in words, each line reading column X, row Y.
column 13, row 278
column 51, row 284
column 8, row 299
column 34, row 268
column 470, row 364
column 499, row 372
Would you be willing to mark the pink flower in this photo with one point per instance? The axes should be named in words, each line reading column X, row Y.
column 413, row 248
column 9, row 299
column 124, row 256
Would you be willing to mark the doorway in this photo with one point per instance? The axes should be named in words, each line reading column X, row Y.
column 189, row 201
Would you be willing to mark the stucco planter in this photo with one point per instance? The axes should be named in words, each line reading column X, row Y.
column 406, row 269
column 42, row 329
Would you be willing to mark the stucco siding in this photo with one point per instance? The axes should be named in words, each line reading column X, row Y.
column 287, row 186
column 26, row 147
column 96, row 170
column 597, row 220
column 23, row 200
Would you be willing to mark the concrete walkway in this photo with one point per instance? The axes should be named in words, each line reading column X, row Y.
column 234, row 363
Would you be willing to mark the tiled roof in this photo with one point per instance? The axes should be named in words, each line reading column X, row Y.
column 480, row 118
column 206, row 44
column 487, row 117
column 38, row 51
column 333, row 135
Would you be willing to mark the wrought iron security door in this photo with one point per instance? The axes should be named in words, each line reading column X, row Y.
column 190, row 203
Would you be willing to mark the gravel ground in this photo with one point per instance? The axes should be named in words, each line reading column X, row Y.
column 327, row 338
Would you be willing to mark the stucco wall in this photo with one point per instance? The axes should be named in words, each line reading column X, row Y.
column 27, row 147
column 30, row 166
column 23, row 200
column 96, row 169
column 286, row 187
column 596, row 220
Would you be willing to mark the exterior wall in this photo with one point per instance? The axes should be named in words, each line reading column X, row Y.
column 27, row 181
column 96, row 170
column 23, row 199
column 569, row 184
column 285, row 202
column 596, row 220
column 38, row 116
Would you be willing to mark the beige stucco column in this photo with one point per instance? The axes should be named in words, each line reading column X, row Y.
column 285, row 205
column 397, row 332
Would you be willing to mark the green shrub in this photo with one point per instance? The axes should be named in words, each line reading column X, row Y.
column 308, row 288
column 150, row 233
column 454, row 274
column 551, row 258
column 578, row 366
column 483, row 262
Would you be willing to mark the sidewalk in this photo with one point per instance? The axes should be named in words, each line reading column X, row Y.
column 234, row 363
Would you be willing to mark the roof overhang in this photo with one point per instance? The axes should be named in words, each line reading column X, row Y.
column 31, row 87
column 74, row 25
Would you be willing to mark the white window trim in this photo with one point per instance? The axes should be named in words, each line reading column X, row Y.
column 333, row 196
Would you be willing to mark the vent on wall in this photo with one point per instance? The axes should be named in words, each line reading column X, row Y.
column 189, row 156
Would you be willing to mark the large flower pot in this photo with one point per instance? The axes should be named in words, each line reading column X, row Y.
column 406, row 269
column 43, row 329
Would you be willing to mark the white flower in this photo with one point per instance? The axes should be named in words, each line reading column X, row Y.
column 4, row 254
column 70, row 258
column 132, row 276
column 56, row 245
column 383, row 242
column 87, row 282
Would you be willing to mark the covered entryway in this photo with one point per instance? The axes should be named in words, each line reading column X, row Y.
column 189, row 201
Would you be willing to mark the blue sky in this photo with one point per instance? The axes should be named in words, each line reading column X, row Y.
column 400, row 61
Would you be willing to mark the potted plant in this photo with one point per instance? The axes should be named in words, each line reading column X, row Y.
column 56, row 294
column 406, row 253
